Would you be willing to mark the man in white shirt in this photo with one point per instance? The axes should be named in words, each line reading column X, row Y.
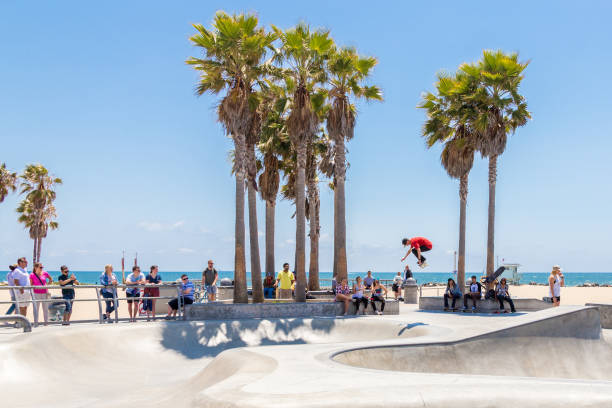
column 20, row 277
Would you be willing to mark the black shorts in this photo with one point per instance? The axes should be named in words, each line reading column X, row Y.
column 394, row 287
column 130, row 295
column 558, row 299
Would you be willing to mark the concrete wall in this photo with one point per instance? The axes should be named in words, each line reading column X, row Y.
column 486, row 306
column 218, row 311
column 605, row 311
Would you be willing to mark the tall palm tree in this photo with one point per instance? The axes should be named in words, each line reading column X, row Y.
column 347, row 73
column 252, row 139
column 234, row 50
column 37, row 208
column 448, row 122
column 274, row 145
column 305, row 52
column 8, row 182
column 492, row 84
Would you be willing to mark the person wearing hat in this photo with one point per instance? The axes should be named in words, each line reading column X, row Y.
column 555, row 281
column 417, row 246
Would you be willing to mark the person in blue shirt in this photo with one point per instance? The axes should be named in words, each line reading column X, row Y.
column 452, row 292
column 185, row 299
column 133, row 292
column 109, row 280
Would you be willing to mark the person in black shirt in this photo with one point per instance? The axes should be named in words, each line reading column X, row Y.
column 67, row 279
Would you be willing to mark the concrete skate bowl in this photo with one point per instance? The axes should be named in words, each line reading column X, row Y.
column 565, row 346
column 155, row 364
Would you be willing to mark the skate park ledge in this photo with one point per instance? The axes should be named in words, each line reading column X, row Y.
column 485, row 306
column 280, row 309
column 605, row 311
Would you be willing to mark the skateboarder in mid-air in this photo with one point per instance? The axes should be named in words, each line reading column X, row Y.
column 417, row 245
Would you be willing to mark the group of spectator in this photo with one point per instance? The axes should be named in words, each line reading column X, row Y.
column 19, row 277
column 139, row 288
column 501, row 293
column 357, row 295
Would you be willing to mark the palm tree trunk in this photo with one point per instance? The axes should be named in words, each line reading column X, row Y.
column 491, row 223
column 463, row 192
column 335, row 270
column 270, row 215
column 240, row 286
column 34, row 251
column 39, row 249
column 256, row 281
column 339, row 210
column 300, row 221
column 313, row 269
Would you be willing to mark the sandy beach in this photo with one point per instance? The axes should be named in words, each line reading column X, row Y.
column 575, row 296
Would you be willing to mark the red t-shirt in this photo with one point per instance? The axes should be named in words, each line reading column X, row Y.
column 418, row 242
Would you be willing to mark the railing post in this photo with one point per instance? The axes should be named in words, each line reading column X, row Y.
column 116, row 304
column 99, row 306
column 34, row 307
column 178, row 291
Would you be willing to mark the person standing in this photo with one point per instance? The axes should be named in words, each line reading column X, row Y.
column 21, row 277
column 67, row 279
column 209, row 278
column 133, row 293
column 407, row 272
column 186, row 298
column 10, row 282
column 153, row 278
column 417, row 246
column 40, row 278
column 397, row 285
column 368, row 280
column 555, row 281
column 286, row 279
column 109, row 280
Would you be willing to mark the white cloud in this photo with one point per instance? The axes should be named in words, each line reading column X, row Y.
column 290, row 241
column 150, row 226
column 81, row 251
column 177, row 224
column 450, row 251
column 155, row 226
column 186, row 250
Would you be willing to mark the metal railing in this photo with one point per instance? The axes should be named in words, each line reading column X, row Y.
column 20, row 319
column 31, row 299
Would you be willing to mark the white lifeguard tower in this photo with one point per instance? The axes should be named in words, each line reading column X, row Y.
column 511, row 273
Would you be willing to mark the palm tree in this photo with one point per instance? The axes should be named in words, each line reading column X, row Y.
column 274, row 145
column 492, row 84
column 448, row 122
column 38, row 230
column 37, row 208
column 305, row 52
column 8, row 182
column 234, row 50
column 347, row 74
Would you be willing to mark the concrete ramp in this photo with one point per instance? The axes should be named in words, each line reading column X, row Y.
column 564, row 346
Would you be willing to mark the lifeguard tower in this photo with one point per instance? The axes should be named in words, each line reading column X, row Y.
column 511, row 273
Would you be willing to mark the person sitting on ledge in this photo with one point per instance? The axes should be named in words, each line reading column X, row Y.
column 343, row 294
column 185, row 299
column 358, row 296
column 268, row 285
column 377, row 295
column 502, row 293
column 452, row 292
column 475, row 293
column 368, row 280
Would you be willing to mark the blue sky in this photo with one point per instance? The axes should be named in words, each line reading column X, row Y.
column 100, row 94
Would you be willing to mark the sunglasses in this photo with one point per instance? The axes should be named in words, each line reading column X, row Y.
column 185, row 278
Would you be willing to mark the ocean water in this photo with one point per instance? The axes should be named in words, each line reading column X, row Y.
column 571, row 278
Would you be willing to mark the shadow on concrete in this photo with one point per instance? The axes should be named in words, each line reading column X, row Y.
column 410, row 326
column 461, row 313
column 196, row 340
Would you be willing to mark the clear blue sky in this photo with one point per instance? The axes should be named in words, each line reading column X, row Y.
column 100, row 94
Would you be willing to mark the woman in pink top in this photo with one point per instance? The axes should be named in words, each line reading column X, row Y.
column 40, row 278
